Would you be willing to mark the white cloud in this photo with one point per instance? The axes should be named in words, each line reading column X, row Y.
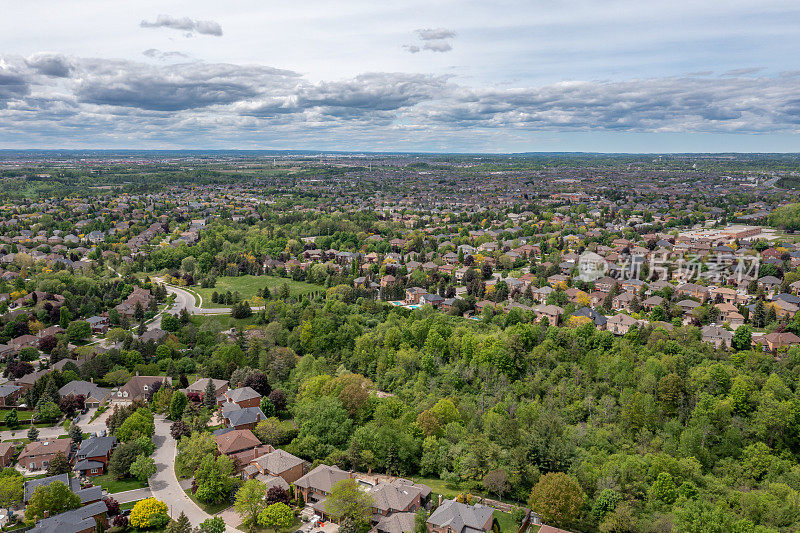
column 205, row 27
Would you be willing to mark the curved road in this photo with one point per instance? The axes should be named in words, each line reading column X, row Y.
column 164, row 484
column 186, row 300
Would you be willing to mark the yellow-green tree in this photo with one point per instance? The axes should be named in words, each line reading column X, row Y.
column 149, row 513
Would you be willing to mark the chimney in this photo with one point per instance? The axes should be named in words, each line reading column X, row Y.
column 440, row 499
column 91, row 380
column 239, row 385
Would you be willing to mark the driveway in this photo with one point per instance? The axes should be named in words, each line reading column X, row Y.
column 164, row 484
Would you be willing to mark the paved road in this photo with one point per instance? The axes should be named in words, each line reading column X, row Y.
column 134, row 495
column 186, row 300
column 164, row 484
column 53, row 432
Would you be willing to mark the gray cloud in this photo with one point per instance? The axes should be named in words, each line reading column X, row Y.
column 437, row 46
column 115, row 98
column 743, row 71
column 154, row 53
column 436, row 34
column 205, row 27
column 54, row 65
column 411, row 48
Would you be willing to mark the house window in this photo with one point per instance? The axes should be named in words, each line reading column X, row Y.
column 44, row 464
column 94, row 470
column 145, row 387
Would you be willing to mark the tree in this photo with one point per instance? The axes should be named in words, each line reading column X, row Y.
column 139, row 424
column 64, row 317
column 112, row 505
column 557, row 498
column 79, row 330
column 149, row 513
column 250, row 501
column 259, row 382
column 214, row 524
column 177, row 405
column 143, row 467
column 496, row 481
column 663, row 488
column 12, row 419
column 179, row 429
column 277, row 494
column 122, row 458
column 59, row 464
column 33, row 433
column 170, row 322
column 421, row 521
column 277, row 516
column 11, row 488
column 214, row 478
column 347, row 500
column 75, row 434
column 192, row 450
column 53, row 498
column 742, row 338
column 278, row 399
column 181, row 525
column 210, row 395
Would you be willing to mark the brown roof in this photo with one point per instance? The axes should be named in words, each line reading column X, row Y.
column 236, row 441
column 46, row 447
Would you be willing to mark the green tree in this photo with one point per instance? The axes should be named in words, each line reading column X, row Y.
column 347, row 500
column 12, row 419
column 59, row 464
column 276, row 516
column 79, row 330
column 11, row 488
column 177, row 405
column 215, row 524
column 742, row 338
column 192, row 450
column 170, row 322
column 122, row 458
column 210, row 395
column 143, row 467
column 64, row 317
column 53, row 498
column 557, row 498
column 33, row 433
column 663, row 488
column 250, row 501
column 181, row 525
column 139, row 424
column 214, row 478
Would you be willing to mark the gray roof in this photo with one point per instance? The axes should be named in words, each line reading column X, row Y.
column 395, row 523
column 31, row 484
column 8, row 388
column 96, row 447
column 461, row 517
column 88, row 389
column 248, row 415
column 277, row 462
column 72, row 521
column 87, row 465
column 241, row 394
column 322, row 478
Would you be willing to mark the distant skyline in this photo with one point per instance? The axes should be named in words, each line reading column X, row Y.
column 436, row 76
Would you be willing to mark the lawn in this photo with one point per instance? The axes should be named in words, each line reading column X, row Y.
column 112, row 485
column 248, row 285
column 506, row 522
column 210, row 508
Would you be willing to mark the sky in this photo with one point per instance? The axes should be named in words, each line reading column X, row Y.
column 429, row 76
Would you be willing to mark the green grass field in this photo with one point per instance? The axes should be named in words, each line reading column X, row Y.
column 117, row 485
column 248, row 285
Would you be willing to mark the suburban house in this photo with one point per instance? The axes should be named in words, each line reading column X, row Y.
column 454, row 517
column 86, row 519
column 93, row 455
column 277, row 463
column 199, row 386
column 88, row 496
column 28, row 380
column 38, row 454
column 718, row 336
column 551, row 312
column 235, row 441
column 243, row 397
column 395, row 523
column 140, row 388
column 693, row 290
column 316, row 485
column 772, row 342
column 9, row 394
column 620, row 324
column 242, row 418
column 93, row 395
column 399, row 496
column 6, row 454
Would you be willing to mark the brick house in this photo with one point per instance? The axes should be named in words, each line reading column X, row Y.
column 454, row 517
column 93, row 455
column 37, row 455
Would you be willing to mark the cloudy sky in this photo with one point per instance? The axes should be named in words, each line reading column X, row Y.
column 493, row 76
